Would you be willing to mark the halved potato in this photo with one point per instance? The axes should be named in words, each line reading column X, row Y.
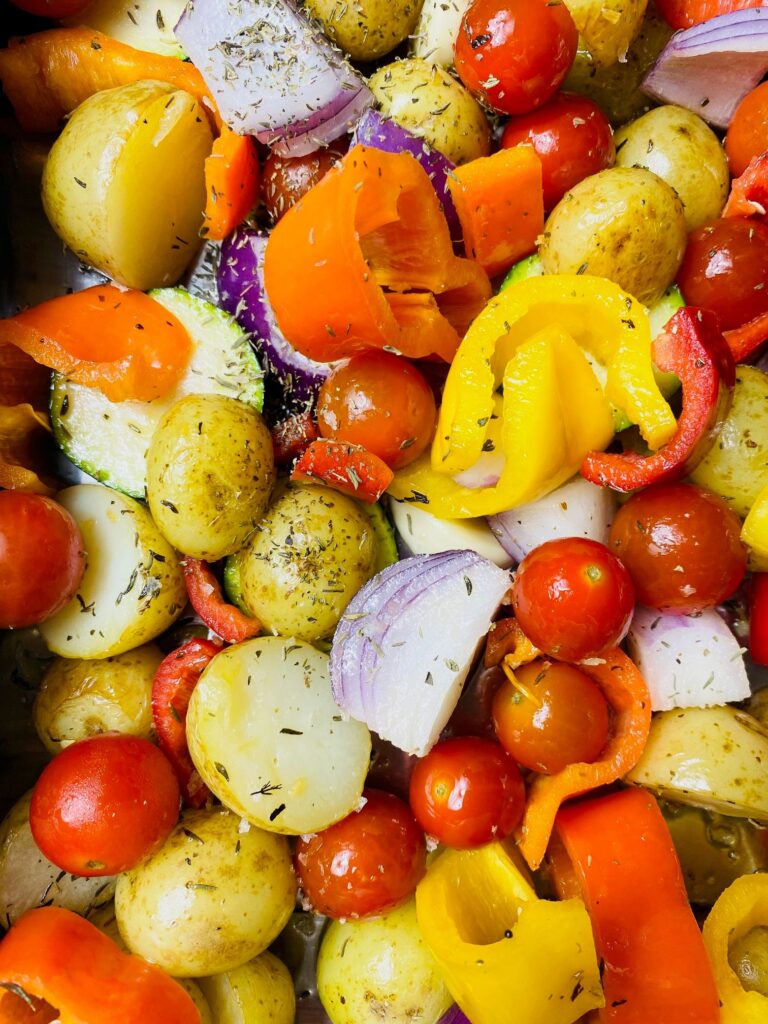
column 607, row 26
column 143, row 24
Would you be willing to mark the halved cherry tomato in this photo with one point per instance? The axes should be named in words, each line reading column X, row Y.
column 684, row 13
column 747, row 135
column 287, row 178
column 682, row 547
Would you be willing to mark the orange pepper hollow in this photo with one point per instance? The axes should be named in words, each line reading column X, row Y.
column 627, row 694
column 365, row 260
column 55, row 955
column 232, row 179
column 500, row 203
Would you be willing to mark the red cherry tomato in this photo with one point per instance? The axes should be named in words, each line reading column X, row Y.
column 466, row 792
column 41, row 558
column 366, row 863
column 514, row 54
column 572, row 138
column 573, row 598
column 379, row 401
column 52, row 8
column 748, row 131
column 287, row 178
column 725, row 269
column 682, row 547
column 686, row 13
column 104, row 804
column 556, row 716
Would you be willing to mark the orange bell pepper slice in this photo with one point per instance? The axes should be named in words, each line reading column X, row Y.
column 17, row 1010
column 55, row 955
column 232, row 179
column 118, row 340
column 627, row 694
column 24, row 450
column 365, row 260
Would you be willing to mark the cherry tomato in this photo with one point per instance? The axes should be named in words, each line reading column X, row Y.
column 381, row 402
column 682, row 547
column 52, row 8
column 366, row 863
column 573, row 598
column 41, row 558
column 725, row 269
column 572, row 138
column 287, row 178
column 104, row 804
column 685, row 13
column 748, row 131
column 514, row 54
column 556, row 717
column 466, row 792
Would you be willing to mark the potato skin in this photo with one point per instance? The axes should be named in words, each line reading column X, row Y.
column 625, row 224
column 684, row 151
column 210, row 473
column 259, row 991
column 366, row 29
column 607, row 27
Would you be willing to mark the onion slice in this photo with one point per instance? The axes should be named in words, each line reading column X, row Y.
column 272, row 73
column 454, row 1016
column 407, row 640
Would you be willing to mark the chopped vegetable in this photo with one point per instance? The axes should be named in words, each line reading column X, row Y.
column 292, row 436
column 347, row 468
column 758, row 618
column 205, row 596
column 232, row 179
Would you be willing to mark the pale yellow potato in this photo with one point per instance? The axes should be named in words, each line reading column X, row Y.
column 211, row 899
column 80, row 698
column 124, row 186
column 426, row 100
column 194, row 991
column 259, row 992
column 684, row 151
column 366, row 29
column 210, row 473
column 437, row 30
column 607, row 27
column 143, row 24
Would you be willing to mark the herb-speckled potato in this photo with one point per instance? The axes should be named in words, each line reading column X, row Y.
column 437, row 29
column 625, row 224
column 365, row 29
column 210, row 472
column 684, row 151
column 310, row 555
column 259, row 992
column 426, row 100
column 607, row 27
column 212, row 898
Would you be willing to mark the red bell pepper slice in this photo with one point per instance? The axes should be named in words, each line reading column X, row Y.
column 758, row 618
column 347, row 468
column 617, row 854
column 291, row 436
column 749, row 192
column 175, row 679
column 205, row 596
column 693, row 347
column 744, row 341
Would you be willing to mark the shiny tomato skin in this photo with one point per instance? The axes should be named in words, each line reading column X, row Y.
column 572, row 138
column 52, row 8
column 466, row 792
column 725, row 269
column 682, row 547
column 748, row 131
column 558, row 716
column 382, row 402
column 287, row 178
column 573, row 598
column 104, row 805
column 368, row 862
column 41, row 558
column 515, row 54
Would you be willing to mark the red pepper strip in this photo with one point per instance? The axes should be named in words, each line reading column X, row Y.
column 205, row 596
column 175, row 679
column 58, row 956
column 749, row 192
column 347, row 468
column 232, row 180
column 693, row 347
column 292, row 435
column 758, row 618
column 656, row 969
column 744, row 341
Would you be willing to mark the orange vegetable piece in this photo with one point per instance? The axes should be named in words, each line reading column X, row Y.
column 25, row 453
column 16, row 1010
column 500, row 203
column 232, row 179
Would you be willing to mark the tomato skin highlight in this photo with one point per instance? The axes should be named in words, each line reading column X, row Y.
column 466, row 792
column 682, row 547
column 573, row 598
column 104, row 804
column 364, row 864
column 747, row 135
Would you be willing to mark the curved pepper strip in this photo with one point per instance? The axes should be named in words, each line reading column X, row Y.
column 749, row 192
column 206, row 597
column 347, row 468
column 506, row 956
column 742, row 907
column 232, row 179
column 619, row 855
column 55, row 955
column 627, row 695
column 365, row 260
column 693, row 348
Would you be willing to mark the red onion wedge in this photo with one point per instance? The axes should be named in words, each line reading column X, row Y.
column 272, row 73
column 454, row 1016
column 407, row 640
column 688, row 661
column 711, row 67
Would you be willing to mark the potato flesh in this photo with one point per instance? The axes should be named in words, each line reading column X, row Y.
column 608, row 27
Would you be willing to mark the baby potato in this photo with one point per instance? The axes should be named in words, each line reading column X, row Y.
column 259, row 992
column 80, row 698
column 211, row 899
column 426, row 100
column 607, row 27
column 310, row 555
column 684, row 151
column 365, row 29
column 124, row 186
column 437, row 29
column 143, row 24
column 625, row 224
column 210, row 472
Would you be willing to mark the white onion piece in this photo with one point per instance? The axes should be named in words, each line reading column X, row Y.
column 577, row 509
column 407, row 640
column 272, row 73
column 425, row 534
column 688, row 661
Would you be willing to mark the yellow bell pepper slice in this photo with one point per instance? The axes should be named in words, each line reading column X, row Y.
column 507, row 957
column 742, row 907
column 754, row 533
